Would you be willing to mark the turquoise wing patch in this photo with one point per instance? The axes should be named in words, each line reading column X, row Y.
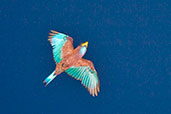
column 87, row 77
column 57, row 41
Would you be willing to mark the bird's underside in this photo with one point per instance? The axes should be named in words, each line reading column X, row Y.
column 70, row 60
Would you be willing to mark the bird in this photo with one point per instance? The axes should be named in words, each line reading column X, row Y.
column 71, row 61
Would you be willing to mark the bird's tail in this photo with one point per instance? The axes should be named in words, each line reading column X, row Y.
column 50, row 78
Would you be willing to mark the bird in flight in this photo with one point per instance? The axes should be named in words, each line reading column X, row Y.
column 71, row 61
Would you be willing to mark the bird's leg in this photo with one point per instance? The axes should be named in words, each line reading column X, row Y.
column 58, row 69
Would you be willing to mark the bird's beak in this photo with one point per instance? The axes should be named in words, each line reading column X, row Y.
column 85, row 44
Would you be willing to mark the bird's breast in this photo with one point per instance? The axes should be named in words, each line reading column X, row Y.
column 70, row 60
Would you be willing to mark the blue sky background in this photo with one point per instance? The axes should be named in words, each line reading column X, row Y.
column 129, row 44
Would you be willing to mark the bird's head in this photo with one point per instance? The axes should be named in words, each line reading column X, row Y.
column 84, row 44
column 83, row 48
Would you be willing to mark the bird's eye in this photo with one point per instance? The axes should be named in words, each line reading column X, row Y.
column 62, row 64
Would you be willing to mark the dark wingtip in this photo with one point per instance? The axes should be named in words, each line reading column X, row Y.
column 53, row 31
column 45, row 83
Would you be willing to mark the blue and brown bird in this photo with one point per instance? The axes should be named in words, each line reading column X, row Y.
column 71, row 61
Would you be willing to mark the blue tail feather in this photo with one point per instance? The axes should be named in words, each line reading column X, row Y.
column 49, row 78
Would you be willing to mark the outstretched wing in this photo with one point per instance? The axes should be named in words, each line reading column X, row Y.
column 62, row 45
column 84, row 71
